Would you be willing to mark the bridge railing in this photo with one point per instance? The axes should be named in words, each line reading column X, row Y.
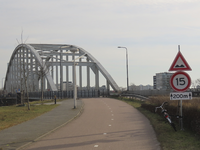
column 12, row 99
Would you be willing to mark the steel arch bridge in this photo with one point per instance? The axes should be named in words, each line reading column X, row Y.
column 30, row 62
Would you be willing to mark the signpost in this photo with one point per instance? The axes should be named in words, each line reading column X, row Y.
column 180, row 81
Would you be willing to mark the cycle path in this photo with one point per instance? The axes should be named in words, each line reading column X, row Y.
column 19, row 136
column 105, row 124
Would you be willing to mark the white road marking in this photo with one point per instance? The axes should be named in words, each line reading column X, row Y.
column 109, row 125
column 96, row 146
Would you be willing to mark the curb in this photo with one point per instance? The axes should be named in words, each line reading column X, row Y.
column 29, row 143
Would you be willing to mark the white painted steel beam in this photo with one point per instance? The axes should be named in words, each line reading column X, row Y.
column 31, row 55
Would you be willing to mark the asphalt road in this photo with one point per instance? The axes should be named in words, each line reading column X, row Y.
column 105, row 124
column 21, row 135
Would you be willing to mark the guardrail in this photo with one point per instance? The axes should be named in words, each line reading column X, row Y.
column 134, row 96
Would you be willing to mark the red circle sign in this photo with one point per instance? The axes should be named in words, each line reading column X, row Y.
column 180, row 81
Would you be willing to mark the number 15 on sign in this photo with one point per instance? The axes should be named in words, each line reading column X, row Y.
column 180, row 81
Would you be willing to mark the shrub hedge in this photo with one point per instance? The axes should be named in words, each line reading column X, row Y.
column 191, row 113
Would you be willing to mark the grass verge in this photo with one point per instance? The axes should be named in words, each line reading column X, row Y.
column 13, row 115
column 168, row 138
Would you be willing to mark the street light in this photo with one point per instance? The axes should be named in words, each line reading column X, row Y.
column 126, row 65
column 75, row 89
column 63, row 46
column 71, row 49
column 2, row 82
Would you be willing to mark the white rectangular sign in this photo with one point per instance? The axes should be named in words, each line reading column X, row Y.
column 181, row 96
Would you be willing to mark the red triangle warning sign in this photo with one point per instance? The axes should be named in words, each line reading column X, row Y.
column 179, row 63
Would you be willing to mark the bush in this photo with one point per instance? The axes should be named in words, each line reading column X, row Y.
column 191, row 111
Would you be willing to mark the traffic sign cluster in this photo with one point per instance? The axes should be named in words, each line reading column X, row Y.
column 180, row 81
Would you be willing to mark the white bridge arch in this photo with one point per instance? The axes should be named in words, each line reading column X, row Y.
column 27, row 60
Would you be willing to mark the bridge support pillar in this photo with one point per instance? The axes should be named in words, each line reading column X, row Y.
column 88, row 76
column 80, row 76
column 67, row 75
column 108, row 88
column 57, row 72
column 96, row 79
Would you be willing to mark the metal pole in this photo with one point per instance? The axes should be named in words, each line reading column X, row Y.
column 74, row 85
column 181, row 108
column 60, row 74
column 74, row 73
column 2, row 83
column 181, row 115
column 126, row 66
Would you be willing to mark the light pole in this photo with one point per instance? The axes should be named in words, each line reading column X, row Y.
column 61, row 68
column 75, row 89
column 73, row 50
column 60, row 74
column 126, row 65
column 2, row 82
column 75, row 92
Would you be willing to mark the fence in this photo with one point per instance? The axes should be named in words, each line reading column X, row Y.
column 12, row 99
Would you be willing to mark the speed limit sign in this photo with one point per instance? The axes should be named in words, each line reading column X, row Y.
column 180, row 81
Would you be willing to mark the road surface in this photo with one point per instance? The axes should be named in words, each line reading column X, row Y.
column 105, row 124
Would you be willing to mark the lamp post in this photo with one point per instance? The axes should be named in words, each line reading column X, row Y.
column 75, row 92
column 60, row 74
column 73, row 50
column 61, row 68
column 75, row 89
column 2, row 82
column 126, row 65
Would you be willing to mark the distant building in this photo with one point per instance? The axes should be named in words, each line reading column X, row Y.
column 146, row 87
column 154, row 82
column 140, row 87
column 161, row 81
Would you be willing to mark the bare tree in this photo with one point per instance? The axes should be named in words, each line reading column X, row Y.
column 122, row 89
column 132, row 87
column 24, row 75
column 42, row 71
column 196, row 83
column 26, row 72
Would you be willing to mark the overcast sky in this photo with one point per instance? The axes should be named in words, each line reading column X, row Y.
column 150, row 29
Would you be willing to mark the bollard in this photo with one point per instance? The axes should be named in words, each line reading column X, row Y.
column 55, row 99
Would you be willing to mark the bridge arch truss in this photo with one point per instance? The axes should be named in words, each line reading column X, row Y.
column 27, row 60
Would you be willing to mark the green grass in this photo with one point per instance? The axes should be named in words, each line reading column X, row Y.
column 13, row 115
column 168, row 138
